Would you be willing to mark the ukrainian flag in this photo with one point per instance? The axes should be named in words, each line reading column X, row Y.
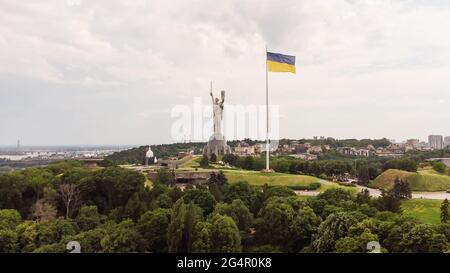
column 280, row 63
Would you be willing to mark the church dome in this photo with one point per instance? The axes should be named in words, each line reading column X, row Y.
column 149, row 153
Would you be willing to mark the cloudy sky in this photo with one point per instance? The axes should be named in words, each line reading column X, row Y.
column 109, row 71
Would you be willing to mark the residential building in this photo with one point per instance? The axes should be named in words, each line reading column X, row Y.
column 447, row 142
column 414, row 143
column 436, row 142
column 315, row 149
column 302, row 148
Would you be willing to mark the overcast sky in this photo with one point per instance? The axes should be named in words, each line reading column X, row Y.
column 110, row 71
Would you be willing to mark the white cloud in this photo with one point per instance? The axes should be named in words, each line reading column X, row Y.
column 366, row 68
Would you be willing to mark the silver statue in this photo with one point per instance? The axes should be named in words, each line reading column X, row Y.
column 217, row 144
column 218, row 114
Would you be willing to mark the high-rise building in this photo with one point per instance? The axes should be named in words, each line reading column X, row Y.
column 447, row 142
column 436, row 142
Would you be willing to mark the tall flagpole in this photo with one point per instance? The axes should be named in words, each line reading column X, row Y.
column 267, row 117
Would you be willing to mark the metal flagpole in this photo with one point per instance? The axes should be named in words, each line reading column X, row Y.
column 267, row 117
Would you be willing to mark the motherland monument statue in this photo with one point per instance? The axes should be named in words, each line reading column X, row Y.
column 217, row 144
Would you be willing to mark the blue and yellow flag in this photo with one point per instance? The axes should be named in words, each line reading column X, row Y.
column 280, row 63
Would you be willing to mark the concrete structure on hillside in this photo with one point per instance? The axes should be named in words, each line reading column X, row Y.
column 186, row 178
column 354, row 151
column 446, row 161
column 243, row 149
column 436, row 142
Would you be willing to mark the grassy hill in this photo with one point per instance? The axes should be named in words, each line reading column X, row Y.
column 259, row 179
column 426, row 180
column 279, row 179
column 424, row 210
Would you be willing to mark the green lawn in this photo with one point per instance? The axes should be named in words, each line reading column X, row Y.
column 278, row 179
column 273, row 179
column 425, row 210
column 425, row 180
column 259, row 179
column 193, row 163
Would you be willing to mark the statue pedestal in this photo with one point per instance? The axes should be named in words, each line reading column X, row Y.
column 216, row 145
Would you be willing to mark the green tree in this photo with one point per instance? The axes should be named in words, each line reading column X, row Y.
column 274, row 222
column 202, row 238
column 112, row 187
column 52, row 248
column 12, row 186
column 244, row 191
column 201, row 197
column 36, row 180
column 279, row 191
column 423, row 238
column 230, row 159
column 388, row 201
column 63, row 166
column 90, row 240
column 217, row 184
column 356, row 244
column 153, row 226
column 224, row 234
column 135, row 207
column 401, row 189
column 363, row 175
column 9, row 219
column 405, row 164
column 175, row 193
column 444, row 211
column 88, row 218
column 52, row 232
column 122, row 238
column 363, row 197
column 440, row 167
column 8, row 241
column 182, row 222
column 204, row 162
column 335, row 195
column 395, row 232
column 303, row 227
column 334, row 227
column 165, row 177
column 238, row 211
column 27, row 233
column 213, row 158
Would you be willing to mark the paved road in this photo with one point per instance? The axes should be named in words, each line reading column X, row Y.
column 377, row 193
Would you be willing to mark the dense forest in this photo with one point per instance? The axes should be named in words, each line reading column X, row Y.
column 111, row 210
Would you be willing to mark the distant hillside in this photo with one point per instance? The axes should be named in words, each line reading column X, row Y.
column 131, row 156
column 137, row 155
column 423, row 180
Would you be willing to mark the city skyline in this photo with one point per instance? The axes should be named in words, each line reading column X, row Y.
column 109, row 73
column 445, row 139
